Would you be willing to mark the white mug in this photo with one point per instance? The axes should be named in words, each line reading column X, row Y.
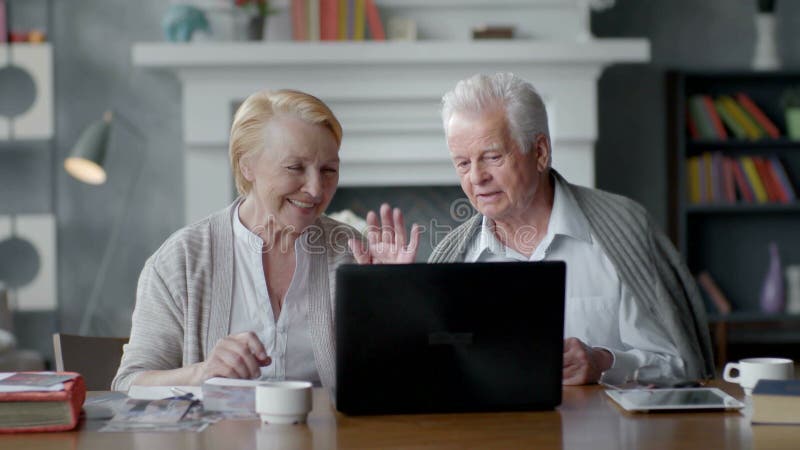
column 283, row 402
column 751, row 370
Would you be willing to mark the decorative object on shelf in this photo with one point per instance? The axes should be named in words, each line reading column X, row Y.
column 793, row 289
column 493, row 32
column 790, row 100
column 86, row 163
column 585, row 10
column 181, row 21
column 772, row 298
column 256, row 15
column 765, row 56
column 401, row 29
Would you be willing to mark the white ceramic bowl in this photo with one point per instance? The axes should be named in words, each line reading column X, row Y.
column 283, row 402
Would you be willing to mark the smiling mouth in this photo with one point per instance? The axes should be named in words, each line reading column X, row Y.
column 300, row 204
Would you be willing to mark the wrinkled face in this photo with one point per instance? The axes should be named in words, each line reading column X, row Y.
column 500, row 181
column 296, row 173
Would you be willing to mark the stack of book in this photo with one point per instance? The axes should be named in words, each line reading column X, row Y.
column 336, row 20
column 714, row 118
column 40, row 401
column 714, row 178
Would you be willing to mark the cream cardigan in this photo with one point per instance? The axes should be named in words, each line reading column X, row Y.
column 183, row 299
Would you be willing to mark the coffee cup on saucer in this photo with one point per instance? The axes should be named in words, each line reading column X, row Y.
column 750, row 370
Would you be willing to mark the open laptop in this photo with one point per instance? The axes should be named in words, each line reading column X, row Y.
column 461, row 337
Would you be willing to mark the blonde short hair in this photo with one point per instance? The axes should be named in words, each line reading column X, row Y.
column 247, row 131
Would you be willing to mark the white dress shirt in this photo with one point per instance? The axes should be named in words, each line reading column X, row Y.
column 288, row 342
column 599, row 309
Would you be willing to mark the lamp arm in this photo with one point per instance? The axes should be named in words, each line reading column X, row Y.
column 113, row 240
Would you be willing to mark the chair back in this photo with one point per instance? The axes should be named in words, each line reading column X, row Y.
column 96, row 358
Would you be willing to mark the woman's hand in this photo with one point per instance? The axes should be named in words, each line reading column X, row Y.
column 236, row 356
column 387, row 242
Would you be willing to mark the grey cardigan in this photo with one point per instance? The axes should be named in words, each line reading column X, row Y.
column 645, row 260
column 183, row 300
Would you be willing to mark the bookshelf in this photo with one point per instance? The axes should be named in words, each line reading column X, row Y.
column 730, row 239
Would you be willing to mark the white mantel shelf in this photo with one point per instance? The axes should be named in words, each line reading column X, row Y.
column 386, row 95
column 246, row 54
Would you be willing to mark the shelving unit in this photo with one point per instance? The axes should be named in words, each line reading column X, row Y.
column 731, row 240
column 37, row 121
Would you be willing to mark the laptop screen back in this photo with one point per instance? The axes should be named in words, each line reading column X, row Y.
column 449, row 337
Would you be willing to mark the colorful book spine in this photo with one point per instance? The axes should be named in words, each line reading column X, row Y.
column 299, row 20
column 708, row 178
column 701, row 117
column 783, row 179
column 343, row 13
column 716, row 123
column 758, row 115
column 766, row 179
column 716, row 177
column 728, row 183
column 694, row 132
column 359, row 21
column 742, row 185
column 351, row 8
column 693, row 179
column 751, row 172
column 313, row 20
column 376, row 30
column 329, row 20
column 735, row 127
column 753, row 131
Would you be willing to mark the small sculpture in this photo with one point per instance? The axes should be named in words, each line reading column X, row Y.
column 181, row 21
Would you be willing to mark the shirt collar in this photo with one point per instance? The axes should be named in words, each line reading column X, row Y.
column 253, row 241
column 566, row 219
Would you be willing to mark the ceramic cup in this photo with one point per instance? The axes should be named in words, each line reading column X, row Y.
column 751, row 370
column 283, row 402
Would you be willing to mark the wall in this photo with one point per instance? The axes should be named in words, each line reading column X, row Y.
column 92, row 50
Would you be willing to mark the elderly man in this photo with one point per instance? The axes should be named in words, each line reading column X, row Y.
column 630, row 302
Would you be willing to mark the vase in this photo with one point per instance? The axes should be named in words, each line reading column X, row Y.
column 793, row 123
column 772, row 298
column 766, row 49
column 255, row 28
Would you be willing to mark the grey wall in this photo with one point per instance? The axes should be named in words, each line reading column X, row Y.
column 92, row 40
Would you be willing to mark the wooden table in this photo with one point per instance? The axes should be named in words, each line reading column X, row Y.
column 587, row 418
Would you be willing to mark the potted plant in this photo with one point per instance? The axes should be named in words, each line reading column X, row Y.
column 790, row 100
column 257, row 12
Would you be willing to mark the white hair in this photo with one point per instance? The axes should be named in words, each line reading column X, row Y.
column 526, row 115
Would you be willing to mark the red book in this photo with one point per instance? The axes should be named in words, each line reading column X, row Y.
column 299, row 20
column 727, row 180
column 716, row 122
column 758, row 115
column 741, row 182
column 374, row 21
column 775, row 195
column 43, row 411
column 329, row 20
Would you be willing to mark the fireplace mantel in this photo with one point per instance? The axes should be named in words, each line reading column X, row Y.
column 387, row 96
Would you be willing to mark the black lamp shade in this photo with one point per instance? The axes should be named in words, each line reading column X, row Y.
column 87, row 157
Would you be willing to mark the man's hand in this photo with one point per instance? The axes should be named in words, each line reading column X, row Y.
column 236, row 356
column 584, row 364
column 387, row 242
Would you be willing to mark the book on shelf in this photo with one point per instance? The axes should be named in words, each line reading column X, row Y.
column 299, row 20
column 753, row 179
column 782, row 177
column 693, row 177
column 40, row 401
column 713, row 117
column 758, row 115
column 329, row 20
column 376, row 31
column 750, row 127
column 714, row 293
column 742, row 185
column 313, row 11
column 776, row 402
column 727, row 116
column 699, row 115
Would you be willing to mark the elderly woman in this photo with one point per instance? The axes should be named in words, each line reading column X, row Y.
column 247, row 292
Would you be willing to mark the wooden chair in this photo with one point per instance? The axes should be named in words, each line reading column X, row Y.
column 96, row 358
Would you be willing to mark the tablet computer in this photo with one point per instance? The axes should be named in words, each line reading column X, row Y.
column 674, row 399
